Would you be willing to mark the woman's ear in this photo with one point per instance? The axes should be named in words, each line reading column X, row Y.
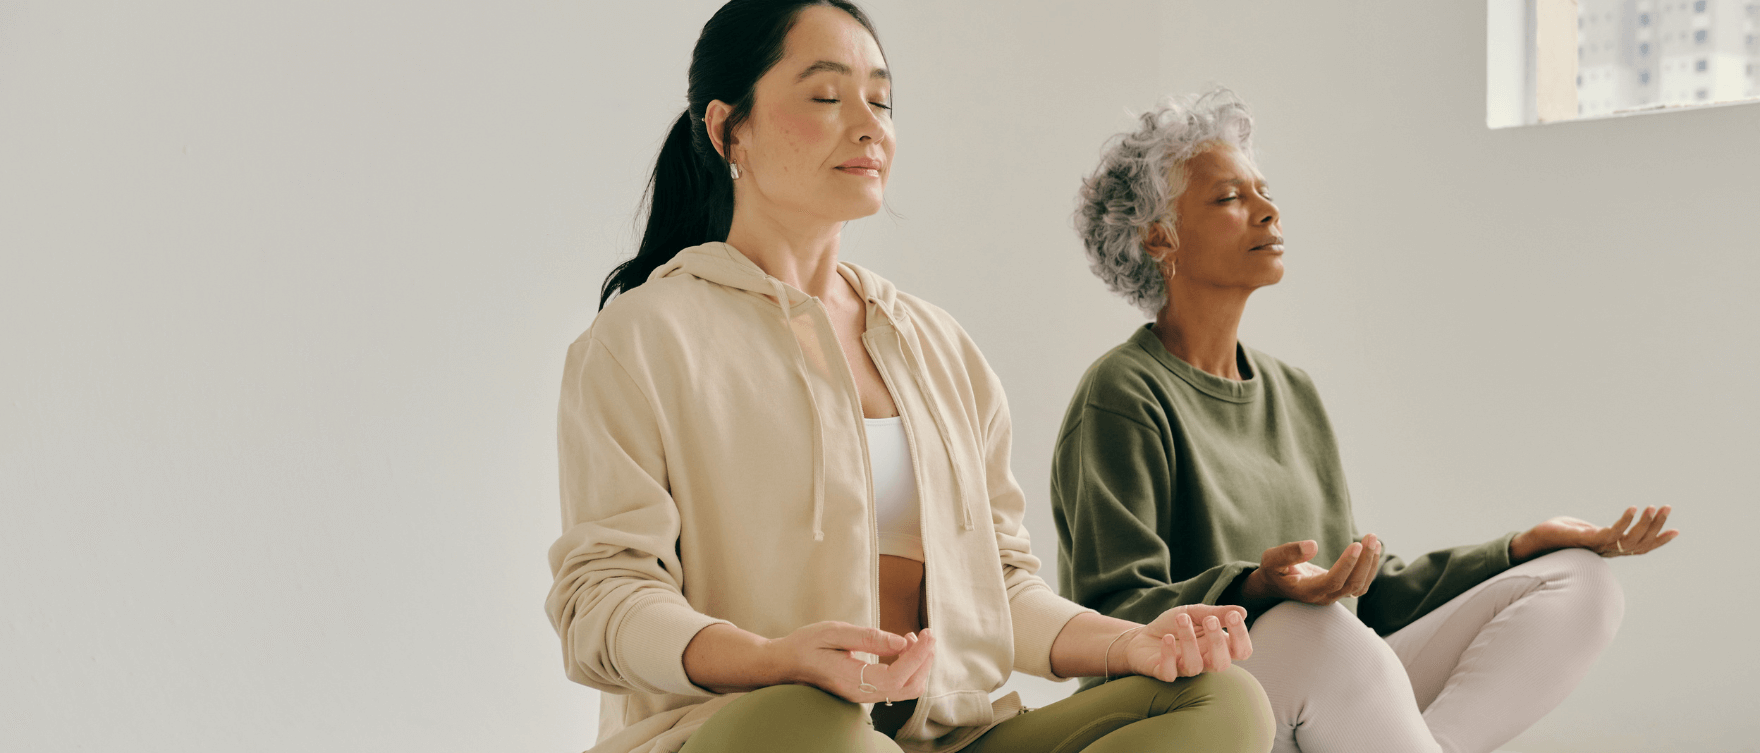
column 714, row 120
column 1159, row 243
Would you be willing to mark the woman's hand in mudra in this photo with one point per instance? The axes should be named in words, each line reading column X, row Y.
column 1185, row 641
column 1285, row 573
column 1620, row 539
column 820, row 655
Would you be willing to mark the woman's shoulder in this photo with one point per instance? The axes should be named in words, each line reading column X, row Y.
column 655, row 306
column 1277, row 372
column 1125, row 379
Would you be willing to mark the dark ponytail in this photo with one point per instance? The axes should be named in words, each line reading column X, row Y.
column 690, row 194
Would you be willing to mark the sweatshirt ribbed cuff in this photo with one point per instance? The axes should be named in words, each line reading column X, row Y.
column 650, row 645
column 1038, row 616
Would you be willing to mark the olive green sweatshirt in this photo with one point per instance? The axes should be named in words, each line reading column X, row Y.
column 1169, row 483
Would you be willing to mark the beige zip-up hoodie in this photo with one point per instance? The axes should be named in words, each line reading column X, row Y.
column 715, row 468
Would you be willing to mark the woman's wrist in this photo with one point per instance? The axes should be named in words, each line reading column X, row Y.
column 1255, row 586
column 778, row 665
column 1525, row 546
column 1124, row 664
column 723, row 658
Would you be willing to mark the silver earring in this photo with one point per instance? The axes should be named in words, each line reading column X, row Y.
column 734, row 168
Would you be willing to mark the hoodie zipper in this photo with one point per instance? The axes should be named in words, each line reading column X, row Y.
column 867, row 470
column 910, row 438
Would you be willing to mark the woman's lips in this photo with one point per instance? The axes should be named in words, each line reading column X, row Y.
column 867, row 167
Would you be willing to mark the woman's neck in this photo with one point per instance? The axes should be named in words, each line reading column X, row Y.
column 803, row 255
column 1201, row 326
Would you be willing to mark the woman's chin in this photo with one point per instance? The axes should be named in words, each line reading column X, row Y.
column 857, row 208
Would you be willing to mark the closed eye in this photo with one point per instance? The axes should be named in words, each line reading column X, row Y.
column 881, row 105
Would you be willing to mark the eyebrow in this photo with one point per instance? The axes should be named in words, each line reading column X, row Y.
column 832, row 66
column 1237, row 182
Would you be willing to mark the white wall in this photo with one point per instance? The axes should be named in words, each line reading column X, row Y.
column 286, row 293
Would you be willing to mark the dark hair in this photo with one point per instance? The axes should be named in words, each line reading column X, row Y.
column 690, row 194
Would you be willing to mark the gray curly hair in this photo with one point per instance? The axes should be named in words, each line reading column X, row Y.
column 1141, row 173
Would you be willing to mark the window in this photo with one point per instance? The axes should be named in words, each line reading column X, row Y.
column 1624, row 53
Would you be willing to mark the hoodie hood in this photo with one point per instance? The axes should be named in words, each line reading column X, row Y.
column 723, row 264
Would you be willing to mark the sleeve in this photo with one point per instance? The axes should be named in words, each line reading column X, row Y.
column 1111, row 485
column 1036, row 613
column 617, row 600
column 1401, row 593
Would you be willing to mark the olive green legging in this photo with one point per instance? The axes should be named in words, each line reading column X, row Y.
column 1223, row 712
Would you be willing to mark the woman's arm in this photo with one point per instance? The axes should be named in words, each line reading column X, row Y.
column 1112, row 480
column 1401, row 593
column 725, row 659
column 617, row 600
column 1612, row 541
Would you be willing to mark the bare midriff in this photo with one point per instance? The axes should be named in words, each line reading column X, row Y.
column 902, row 607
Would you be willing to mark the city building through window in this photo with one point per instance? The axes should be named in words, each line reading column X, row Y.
column 1557, row 60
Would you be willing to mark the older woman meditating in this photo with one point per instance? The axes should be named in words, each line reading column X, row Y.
column 1192, row 469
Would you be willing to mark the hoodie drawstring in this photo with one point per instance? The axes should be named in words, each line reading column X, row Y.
column 813, row 406
column 952, row 444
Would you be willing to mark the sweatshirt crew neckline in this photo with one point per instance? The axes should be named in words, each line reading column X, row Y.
column 1221, row 388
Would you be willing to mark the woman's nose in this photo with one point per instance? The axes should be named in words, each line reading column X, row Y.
column 1271, row 214
column 870, row 127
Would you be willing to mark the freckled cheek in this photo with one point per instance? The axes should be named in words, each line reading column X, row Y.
column 803, row 136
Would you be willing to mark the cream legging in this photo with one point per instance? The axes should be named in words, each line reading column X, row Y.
column 1465, row 678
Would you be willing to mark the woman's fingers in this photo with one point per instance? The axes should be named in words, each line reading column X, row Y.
column 1216, row 657
column 1365, row 569
column 1240, row 644
column 1190, row 656
column 1625, row 520
column 1202, row 612
column 1337, row 579
column 847, row 637
column 1657, row 525
column 913, row 685
column 921, row 650
column 1666, row 537
column 1659, row 532
column 1628, row 541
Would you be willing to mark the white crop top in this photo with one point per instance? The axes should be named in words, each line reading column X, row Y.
column 895, row 489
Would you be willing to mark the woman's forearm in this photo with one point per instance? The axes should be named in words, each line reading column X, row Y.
column 1081, row 648
column 725, row 659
